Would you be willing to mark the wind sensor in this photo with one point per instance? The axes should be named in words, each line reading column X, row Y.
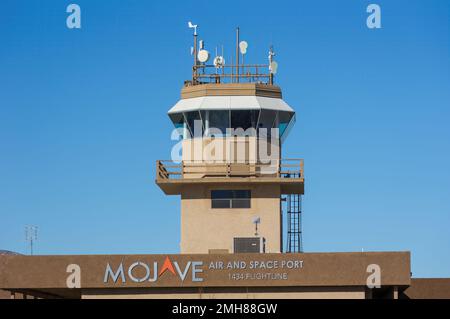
column 193, row 26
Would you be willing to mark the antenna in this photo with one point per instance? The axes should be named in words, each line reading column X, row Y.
column 237, row 54
column 215, row 69
column 203, row 55
column 256, row 221
column 243, row 45
column 271, row 54
column 273, row 65
column 194, row 49
column 219, row 61
column 31, row 236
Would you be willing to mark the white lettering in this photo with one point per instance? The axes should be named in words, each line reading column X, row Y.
column 74, row 279
column 374, row 279
column 374, row 20
column 74, row 19
column 114, row 276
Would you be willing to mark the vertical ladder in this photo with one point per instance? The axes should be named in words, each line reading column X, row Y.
column 294, row 223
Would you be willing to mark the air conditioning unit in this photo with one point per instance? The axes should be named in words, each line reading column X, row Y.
column 249, row 245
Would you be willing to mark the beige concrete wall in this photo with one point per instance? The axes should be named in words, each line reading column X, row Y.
column 229, row 150
column 204, row 228
column 301, row 293
column 4, row 294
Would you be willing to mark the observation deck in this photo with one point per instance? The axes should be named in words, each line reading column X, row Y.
column 288, row 173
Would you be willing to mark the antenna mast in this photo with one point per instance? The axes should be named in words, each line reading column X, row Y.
column 237, row 54
column 194, row 70
column 31, row 236
column 272, row 64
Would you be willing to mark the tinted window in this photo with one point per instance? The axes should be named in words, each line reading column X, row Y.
column 267, row 120
column 193, row 118
column 284, row 118
column 218, row 120
column 244, row 119
column 230, row 198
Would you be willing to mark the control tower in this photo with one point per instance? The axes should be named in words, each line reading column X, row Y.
column 238, row 194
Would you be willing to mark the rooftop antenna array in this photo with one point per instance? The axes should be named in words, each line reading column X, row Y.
column 31, row 236
column 203, row 73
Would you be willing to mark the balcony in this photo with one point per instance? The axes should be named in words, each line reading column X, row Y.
column 288, row 173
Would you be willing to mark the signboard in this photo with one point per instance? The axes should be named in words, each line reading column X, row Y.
column 228, row 270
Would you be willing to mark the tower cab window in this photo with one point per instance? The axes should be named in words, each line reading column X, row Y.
column 230, row 198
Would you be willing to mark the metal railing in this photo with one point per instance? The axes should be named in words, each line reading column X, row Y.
column 284, row 168
column 226, row 74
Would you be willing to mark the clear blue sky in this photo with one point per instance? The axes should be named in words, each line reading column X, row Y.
column 83, row 120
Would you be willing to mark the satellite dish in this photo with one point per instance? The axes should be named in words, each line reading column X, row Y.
column 203, row 56
column 243, row 45
column 219, row 61
column 273, row 67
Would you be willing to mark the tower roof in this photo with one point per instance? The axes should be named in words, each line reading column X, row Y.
column 230, row 103
column 231, row 96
